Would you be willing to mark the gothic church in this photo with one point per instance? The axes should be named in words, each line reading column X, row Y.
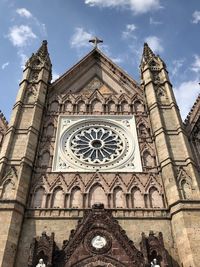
column 97, row 170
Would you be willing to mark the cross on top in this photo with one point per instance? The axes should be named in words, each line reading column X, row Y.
column 95, row 41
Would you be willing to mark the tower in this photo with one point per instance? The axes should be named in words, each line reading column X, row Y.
column 94, row 161
column 19, row 149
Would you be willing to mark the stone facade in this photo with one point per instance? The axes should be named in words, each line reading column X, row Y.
column 158, row 204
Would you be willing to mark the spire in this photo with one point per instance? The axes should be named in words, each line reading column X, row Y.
column 43, row 51
column 42, row 55
column 147, row 53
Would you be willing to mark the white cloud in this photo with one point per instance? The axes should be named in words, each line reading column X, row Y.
column 176, row 65
column 155, row 44
column 186, row 94
column 136, row 6
column 5, row 65
column 154, row 22
column 23, row 12
column 130, row 28
column 21, row 35
column 196, row 64
column 55, row 76
column 23, row 58
column 80, row 38
column 196, row 17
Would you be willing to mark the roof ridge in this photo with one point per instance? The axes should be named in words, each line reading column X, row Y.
column 192, row 110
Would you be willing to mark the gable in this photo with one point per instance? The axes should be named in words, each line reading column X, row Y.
column 91, row 72
column 97, row 234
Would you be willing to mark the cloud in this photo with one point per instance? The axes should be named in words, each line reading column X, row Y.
column 80, row 38
column 5, row 65
column 21, row 36
column 154, row 22
column 136, row 6
column 130, row 28
column 196, row 17
column 55, row 76
column 155, row 44
column 186, row 94
column 23, row 58
column 196, row 64
column 23, row 12
column 176, row 65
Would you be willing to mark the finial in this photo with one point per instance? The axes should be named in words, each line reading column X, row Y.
column 95, row 41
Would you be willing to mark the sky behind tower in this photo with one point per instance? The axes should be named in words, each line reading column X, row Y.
column 171, row 29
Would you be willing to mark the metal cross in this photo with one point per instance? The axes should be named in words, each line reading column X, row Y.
column 95, row 41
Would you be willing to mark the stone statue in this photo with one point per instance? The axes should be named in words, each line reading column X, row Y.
column 154, row 263
column 41, row 263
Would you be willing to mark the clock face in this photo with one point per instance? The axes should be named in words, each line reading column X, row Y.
column 98, row 242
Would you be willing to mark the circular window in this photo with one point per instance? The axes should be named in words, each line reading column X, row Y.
column 96, row 144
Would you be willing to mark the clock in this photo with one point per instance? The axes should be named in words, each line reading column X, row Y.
column 98, row 242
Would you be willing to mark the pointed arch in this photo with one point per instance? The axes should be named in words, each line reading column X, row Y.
column 68, row 106
column 143, row 130
column 111, row 106
column 97, row 195
column 58, row 198
column 54, row 106
column 125, row 107
column 186, row 189
column 96, row 106
column 119, row 200
column 39, row 198
column 76, row 198
column 138, row 106
column 148, row 159
column 8, row 189
column 137, row 198
column 81, row 107
column 156, row 199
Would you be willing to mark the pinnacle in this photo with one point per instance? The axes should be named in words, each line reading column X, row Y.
column 43, row 50
column 147, row 52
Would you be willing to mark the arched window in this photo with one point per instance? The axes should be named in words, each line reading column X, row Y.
column 156, row 200
column 8, row 190
column 137, row 198
column 139, row 107
column 81, row 107
column 149, row 161
column 97, row 195
column 111, row 106
column 39, row 198
column 187, row 190
column 68, row 107
column 58, row 198
column 96, row 106
column 54, row 106
column 119, row 198
column 125, row 106
column 76, row 198
column 143, row 130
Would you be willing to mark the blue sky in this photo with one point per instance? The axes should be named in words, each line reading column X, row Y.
column 170, row 27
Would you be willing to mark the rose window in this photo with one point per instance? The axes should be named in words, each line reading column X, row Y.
column 97, row 145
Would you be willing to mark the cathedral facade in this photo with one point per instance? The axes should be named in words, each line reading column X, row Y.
column 97, row 170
